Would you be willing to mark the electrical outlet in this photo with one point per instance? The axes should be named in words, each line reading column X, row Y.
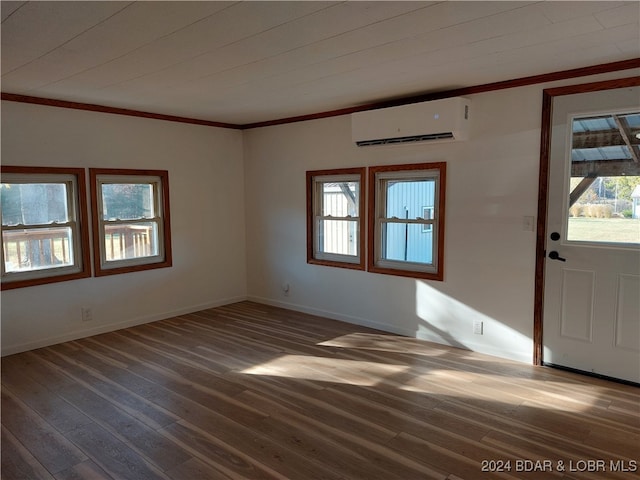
column 477, row 327
column 87, row 314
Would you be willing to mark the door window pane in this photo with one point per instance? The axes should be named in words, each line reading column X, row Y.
column 604, row 200
column 608, row 211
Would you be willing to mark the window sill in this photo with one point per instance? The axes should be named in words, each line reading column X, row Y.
column 437, row 276
column 333, row 263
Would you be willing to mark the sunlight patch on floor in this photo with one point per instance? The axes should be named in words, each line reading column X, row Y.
column 510, row 390
column 323, row 369
column 384, row 343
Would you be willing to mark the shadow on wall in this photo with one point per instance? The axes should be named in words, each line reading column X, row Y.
column 444, row 319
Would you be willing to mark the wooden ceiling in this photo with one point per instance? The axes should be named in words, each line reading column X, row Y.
column 247, row 62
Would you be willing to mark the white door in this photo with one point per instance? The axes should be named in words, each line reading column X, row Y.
column 592, row 272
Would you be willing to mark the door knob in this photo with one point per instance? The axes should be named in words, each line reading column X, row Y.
column 556, row 256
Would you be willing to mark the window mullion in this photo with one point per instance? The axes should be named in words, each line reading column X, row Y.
column 331, row 217
column 43, row 226
column 408, row 220
column 133, row 220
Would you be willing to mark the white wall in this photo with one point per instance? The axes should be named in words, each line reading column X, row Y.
column 492, row 183
column 207, row 218
column 229, row 185
column 489, row 257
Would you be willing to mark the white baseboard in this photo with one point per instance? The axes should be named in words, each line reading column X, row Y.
column 77, row 334
column 364, row 322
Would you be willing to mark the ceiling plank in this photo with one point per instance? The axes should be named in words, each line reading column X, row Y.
column 8, row 7
column 38, row 28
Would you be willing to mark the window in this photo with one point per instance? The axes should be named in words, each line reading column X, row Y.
column 406, row 220
column 44, row 233
column 131, row 229
column 334, row 218
column 604, row 185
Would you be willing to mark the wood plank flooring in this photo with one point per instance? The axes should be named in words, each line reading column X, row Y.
column 249, row 391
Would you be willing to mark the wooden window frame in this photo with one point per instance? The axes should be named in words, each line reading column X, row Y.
column 375, row 218
column 312, row 213
column 80, row 231
column 164, row 257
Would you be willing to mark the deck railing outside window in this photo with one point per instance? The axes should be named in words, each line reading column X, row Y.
column 26, row 250
column 128, row 241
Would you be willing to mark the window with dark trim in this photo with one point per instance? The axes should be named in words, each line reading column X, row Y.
column 335, row 213
column 45, row 235
column 406, row 220
column 131, row 220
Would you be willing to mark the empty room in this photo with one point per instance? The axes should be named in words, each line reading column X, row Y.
column 377, row 240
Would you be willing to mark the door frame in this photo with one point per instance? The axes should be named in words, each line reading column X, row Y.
column 543, row 189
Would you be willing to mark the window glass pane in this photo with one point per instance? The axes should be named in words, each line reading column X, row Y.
column 406, row 242
column 604, row 185
column 409, row 198
column 338, row 236
column 340, row 199
column 127, row 201
column 603, row 153
column 607, row 211
column 37, row 249
column 34, row 203
column 136, row 240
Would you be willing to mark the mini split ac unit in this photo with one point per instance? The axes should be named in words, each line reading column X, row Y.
column 435, row 121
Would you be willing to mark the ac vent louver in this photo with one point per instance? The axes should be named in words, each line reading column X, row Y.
column 410, row 139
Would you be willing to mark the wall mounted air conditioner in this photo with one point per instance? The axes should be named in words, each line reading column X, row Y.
column 435, row 121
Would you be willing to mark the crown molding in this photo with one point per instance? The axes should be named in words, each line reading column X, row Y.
column 51, row 102
column 423, row 97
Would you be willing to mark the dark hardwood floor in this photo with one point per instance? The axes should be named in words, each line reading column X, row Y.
column 248, row 391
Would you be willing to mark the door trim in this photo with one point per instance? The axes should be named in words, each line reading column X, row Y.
column 543, row 187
